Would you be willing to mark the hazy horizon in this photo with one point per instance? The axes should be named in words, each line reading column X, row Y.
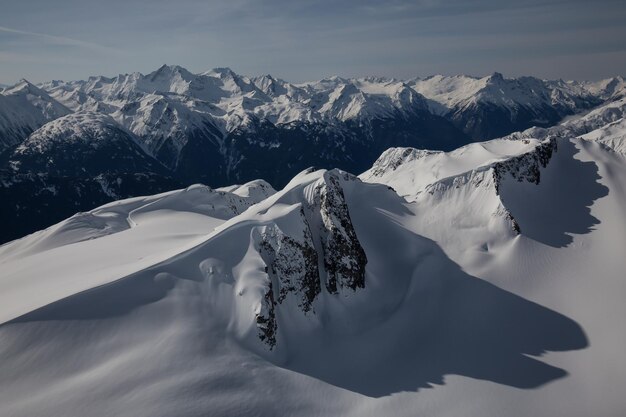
column 309, row 40
column 278, row 76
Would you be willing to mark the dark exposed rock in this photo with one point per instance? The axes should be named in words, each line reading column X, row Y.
column 254, row 151
column 526, row 167
column 266, row 318
column 344, row 257
column 514, row 223
column 292, row 265
column 293, row 262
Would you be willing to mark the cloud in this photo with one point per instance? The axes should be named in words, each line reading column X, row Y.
column 308, row 39
column 60, row 40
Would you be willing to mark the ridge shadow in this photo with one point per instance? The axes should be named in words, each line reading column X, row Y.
column 419, row 318
column 560, row 205
column 446, row 322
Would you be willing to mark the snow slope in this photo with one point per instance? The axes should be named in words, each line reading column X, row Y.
column 396, row 166
column 136, row 232
column 490, row 284
column 612, row 135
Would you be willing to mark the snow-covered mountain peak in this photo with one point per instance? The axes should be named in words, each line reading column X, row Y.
column 459, row 91
column 257, row 189
column 410, row 171
column 87, row 127
column 26, row 91
column 274, row 87
column 613, row 135
column 24, row 107
column 24, row 87
column 588, row 122
column 220, row 72
column 167, row 71
column 99, row 139
column 393, row 158
column 185, row 120
column 608, row 89
column 363, row 98
column 495, row 77
column 216, row 103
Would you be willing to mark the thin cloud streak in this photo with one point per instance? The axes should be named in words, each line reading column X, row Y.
column 309, row 39
column 61, row 40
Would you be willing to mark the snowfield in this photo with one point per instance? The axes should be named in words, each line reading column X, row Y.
column 485, row 281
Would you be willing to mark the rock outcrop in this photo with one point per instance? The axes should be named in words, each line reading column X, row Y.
column 326, row 254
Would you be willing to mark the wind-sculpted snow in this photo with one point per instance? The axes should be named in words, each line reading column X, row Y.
column 195, row 211
column 256, row 190
column 410, row 170
column 493, row 271
column 179, row 304
column 72, row 164
column 489, row 181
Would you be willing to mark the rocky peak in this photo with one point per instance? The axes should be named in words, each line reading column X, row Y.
column 344, row 257
column 496, row 77
column 23, row 87
column 168, row 71
column 526, row 167
column 326, row 254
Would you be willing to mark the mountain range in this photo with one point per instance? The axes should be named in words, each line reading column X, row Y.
column 69, row 146
column 486, row 280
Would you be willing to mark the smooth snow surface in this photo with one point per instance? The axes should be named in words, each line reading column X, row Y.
column 494, row 286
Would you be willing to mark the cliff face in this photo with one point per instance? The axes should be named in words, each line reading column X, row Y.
column 526, row 167
column 326, row 254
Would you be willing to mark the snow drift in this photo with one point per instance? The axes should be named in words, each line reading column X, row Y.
column 483, row 281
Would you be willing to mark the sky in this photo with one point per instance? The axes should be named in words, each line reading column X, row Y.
column 301, row 40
